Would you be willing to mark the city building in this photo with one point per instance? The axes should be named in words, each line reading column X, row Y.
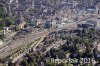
column 98, row 9
column 21, row 23
column 69, row 26
column 6, row 30
column 39, row 22
column 32, row 21
column 91, row 22
column 98, row 23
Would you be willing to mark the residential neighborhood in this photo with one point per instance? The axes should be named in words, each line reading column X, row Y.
column 47, row 32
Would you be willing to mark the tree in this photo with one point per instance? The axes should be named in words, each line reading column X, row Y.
column 2, row 12
column 24, row 62
column 31, row 64
column 36, row 64
column 9, row 21
column 2, row 24
column 5, row 20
